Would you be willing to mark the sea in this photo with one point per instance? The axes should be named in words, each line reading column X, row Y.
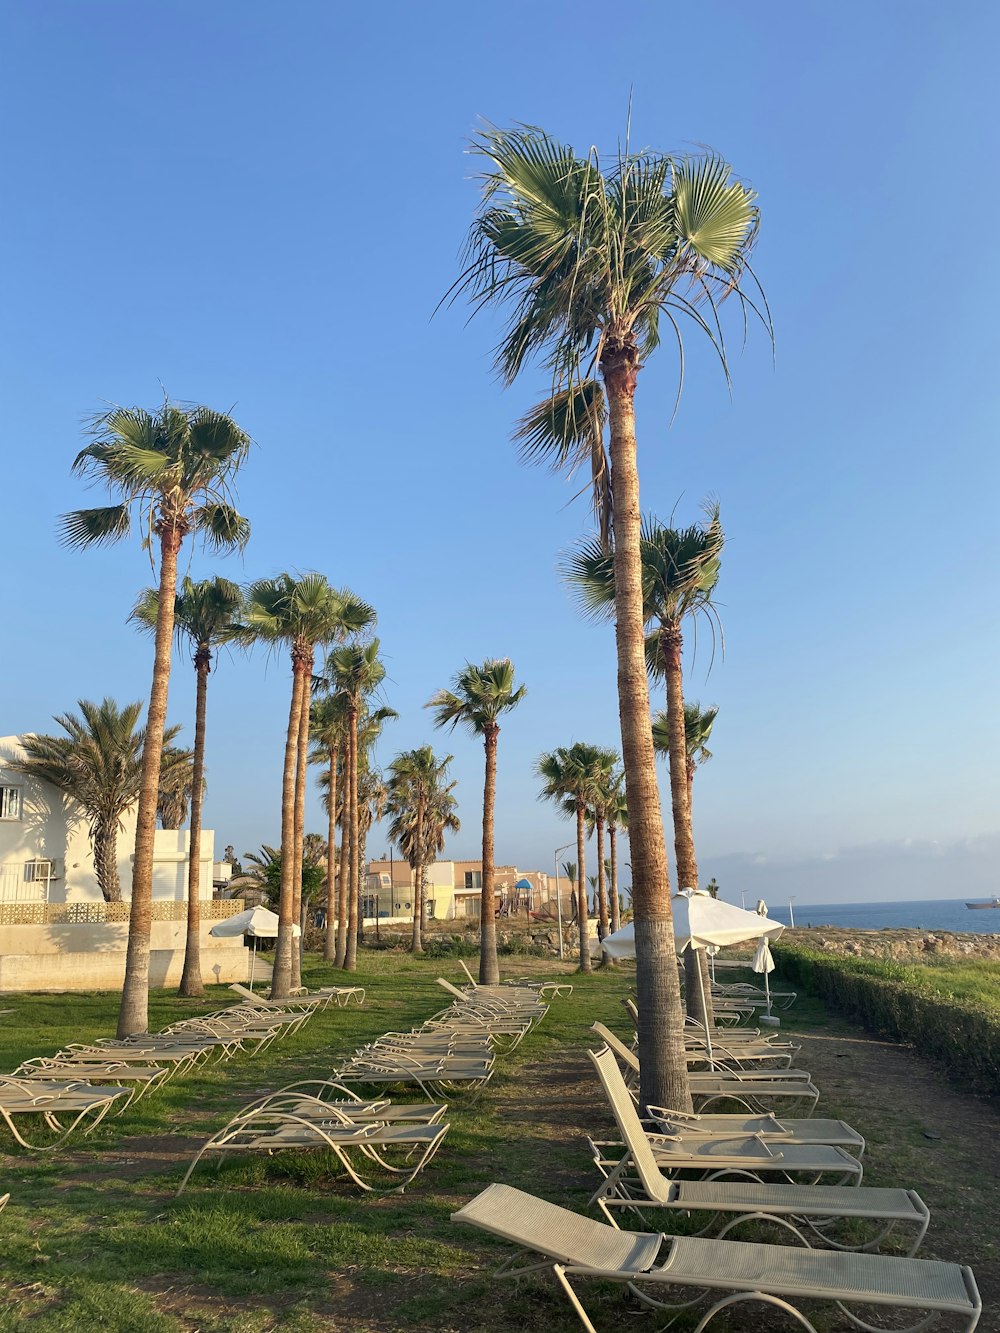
column 949, row 914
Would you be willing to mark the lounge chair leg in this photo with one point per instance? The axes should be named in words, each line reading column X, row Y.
column 560, row 1273
column 740, row 1296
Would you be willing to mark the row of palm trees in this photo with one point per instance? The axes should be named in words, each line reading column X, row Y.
column 172, row 471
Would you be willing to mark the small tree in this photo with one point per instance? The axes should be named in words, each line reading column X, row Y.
column 479, row 697
column 98, row 765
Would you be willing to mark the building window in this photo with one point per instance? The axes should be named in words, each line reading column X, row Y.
column 38, row 872
column 10, row 802
column 473, row 879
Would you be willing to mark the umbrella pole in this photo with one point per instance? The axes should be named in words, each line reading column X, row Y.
column 704, row 1014
column 767, row 991
column 253, row 959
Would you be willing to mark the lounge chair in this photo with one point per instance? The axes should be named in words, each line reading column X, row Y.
column 573, row 1246
column 84, row 1106
column 648, row 1155
column 526, row 984
column 304, row 1003
column 279, row 1130
column 754, row 1090
column 781, row 1128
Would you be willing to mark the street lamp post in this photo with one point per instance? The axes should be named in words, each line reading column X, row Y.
column 555, row 865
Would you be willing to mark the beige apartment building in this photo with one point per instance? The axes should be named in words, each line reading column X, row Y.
column 454, row 888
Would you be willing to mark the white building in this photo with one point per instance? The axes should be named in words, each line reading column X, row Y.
column 56, row 932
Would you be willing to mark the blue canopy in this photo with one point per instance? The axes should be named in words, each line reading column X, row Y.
column 524, row 884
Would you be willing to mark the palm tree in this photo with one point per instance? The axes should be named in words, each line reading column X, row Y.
column 300, row 613
column 173, row 795
column 593, row 262
column 173, row 470
column 354, row 671
column 440, row 818
column 415, row 782
column 480, row 695
column 617, row 818
column 572, row 777
column 569, row 869
column 680, row 570
column 205, row 616
column 98, row 764
column 329, row 733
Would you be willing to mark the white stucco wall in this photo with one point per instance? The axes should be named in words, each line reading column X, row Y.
column 53, row 828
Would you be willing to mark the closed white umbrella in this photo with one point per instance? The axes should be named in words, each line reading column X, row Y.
column 257, row 922
column 764, row 962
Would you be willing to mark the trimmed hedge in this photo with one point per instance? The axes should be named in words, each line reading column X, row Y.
column 886, row 998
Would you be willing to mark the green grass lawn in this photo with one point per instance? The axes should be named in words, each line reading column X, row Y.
column 93, row 1237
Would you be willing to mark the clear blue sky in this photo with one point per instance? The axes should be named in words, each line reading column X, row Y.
column 260, row 205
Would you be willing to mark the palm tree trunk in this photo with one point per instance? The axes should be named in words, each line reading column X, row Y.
column 663, row 1076
column 695, row 987
column 330, row 943
column 343, row 889
column 133, row 1015
column 616, row 910
column 191, row 982
column 105, row 839
column 281, row 981
column 489, row 967
column 300, row 817
column 351, row 943
column 417, row 945
column 581, row 888
column 602, row 883
column 603, row 925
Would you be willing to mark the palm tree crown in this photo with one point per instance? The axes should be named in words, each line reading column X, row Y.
column 206, row 613
column 98, row 764
column 175, row 466
column 479, row 696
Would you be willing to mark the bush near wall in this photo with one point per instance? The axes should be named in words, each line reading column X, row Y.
column 888, row 998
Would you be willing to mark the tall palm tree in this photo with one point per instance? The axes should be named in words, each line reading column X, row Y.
column 205, row 616
column 415, row 780
column 593, row 262
column 617, row 818
column 569, row 869
column 98, row 765
column 173, row 795
column 329, row 734
column 354, row 671
column 171, row 469
column 572, row 776
column 479, row 697
column 680, row 571
column 440, row 817
column 300, row 613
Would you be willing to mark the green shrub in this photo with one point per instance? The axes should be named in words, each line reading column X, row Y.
column 961, row 1034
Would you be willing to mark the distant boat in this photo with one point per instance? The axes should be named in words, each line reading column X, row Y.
column 994, row 902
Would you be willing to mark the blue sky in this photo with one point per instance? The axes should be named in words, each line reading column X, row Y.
column 259, row 206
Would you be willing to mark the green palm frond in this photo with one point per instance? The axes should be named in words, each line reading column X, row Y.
column 95, row 527
column 585, row 255
column 174, row 465
column 223, row 528
column 479, row 697
column 715, row 216
column 680, row 572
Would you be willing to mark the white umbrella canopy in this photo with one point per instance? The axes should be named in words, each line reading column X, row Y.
column 701, row 921
column 257, row 921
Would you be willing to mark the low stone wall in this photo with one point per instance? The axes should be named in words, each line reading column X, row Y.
column 82, row 956
column 901, row 945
